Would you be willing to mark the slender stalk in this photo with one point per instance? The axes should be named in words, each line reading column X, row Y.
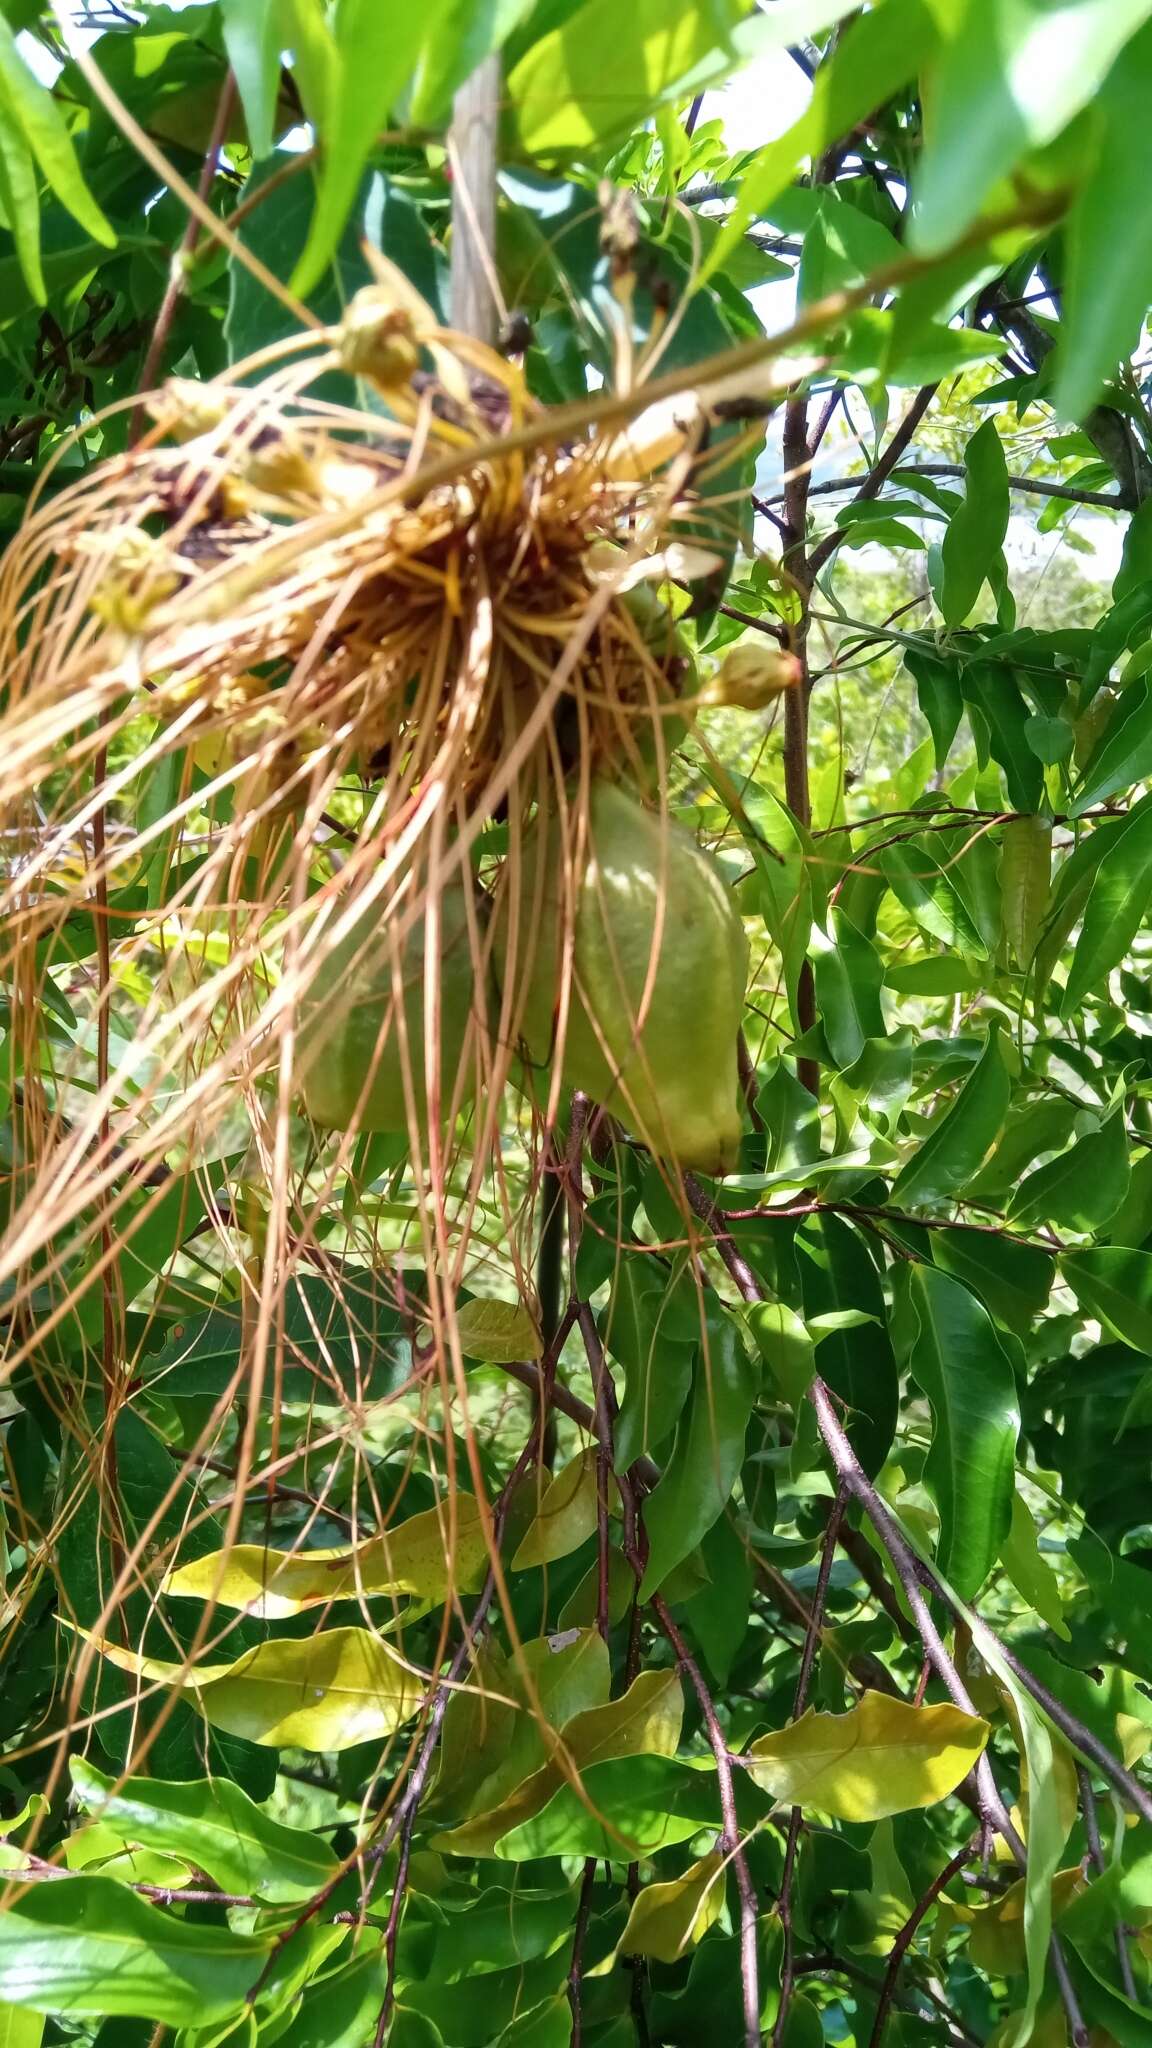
column 905, row 1937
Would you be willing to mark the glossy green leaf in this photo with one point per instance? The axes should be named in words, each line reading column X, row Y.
column 975, row 535
column 215, row 1826
column 254, row 37
column 1081, row 1189
column 883, row 1756
column 960, row 1141
column 88, row 1945
column 939, row 695
column 928, row 889
column 951, row 1347
column 631, row 1807
column 1013, row 1280
column 838, row 1278
column 992, row 694
column 644, row 1721
column 496, row 1332
column 374, row 58
column 1030, row 1572
column 32, row 126
column 848, row 976
column 1117, row 904
column 707, row 1454
column 653, row 1331
column 1115, row 1284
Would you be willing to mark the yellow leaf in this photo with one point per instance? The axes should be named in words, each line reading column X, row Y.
column 497, row 1332
column 440, row 1550
column 667, row 1919
column 996, row 1942
column 646, row 1721
column 881, row 1757
column 566, row 1517
column 327, row 1692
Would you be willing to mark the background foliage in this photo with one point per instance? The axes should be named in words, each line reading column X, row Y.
column 811, row 1697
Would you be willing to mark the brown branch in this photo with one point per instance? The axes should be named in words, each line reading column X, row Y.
column 881, row 470
column 1096, row 1858
column 178, row 276
column 730, row 1840
column 905, row 1936
column 795, row 1819
column 1040, row 486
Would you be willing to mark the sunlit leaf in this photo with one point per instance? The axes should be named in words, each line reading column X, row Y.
column 881, row 1757
column 427, row 1555
column 666, row 1920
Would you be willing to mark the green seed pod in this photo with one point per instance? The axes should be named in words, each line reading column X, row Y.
column 659, row 965
column 353, row 1026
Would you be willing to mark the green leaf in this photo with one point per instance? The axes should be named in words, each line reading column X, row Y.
column 991, row 690
column 215, row 1826
column 667, row 1920
column 1012, row 1280
column 556, row 91
column 974, row 540
column 883, row 1756
column 929, row 890
column 1030, row 1572
column 645, row 1330
column 939, row 696
column 644, row 1721
column 708, row 1452
column 951, row 1348
column 1115, row 1285
column 255, row 33
column 837, row 1277
column 1123, row 754
column 1105, row 283
column 1010, row 75
column 873, row 58
column 622, row 1810
column 848, row 976
column 1083, row 1187
column 325, row 1692
column 341, row 1336
column 1116, row 907
column 960, row 1141
column 375, row 56
column 31, row 122
column 89, row 1945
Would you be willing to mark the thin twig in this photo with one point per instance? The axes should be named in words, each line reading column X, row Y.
column 1096, row 1857
column 178, row 274
column 730, row 1840
column 795, row 1819
column 905, row 1936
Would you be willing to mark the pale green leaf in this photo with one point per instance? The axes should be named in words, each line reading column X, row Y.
column 496, row 1332
column 667, row 1920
